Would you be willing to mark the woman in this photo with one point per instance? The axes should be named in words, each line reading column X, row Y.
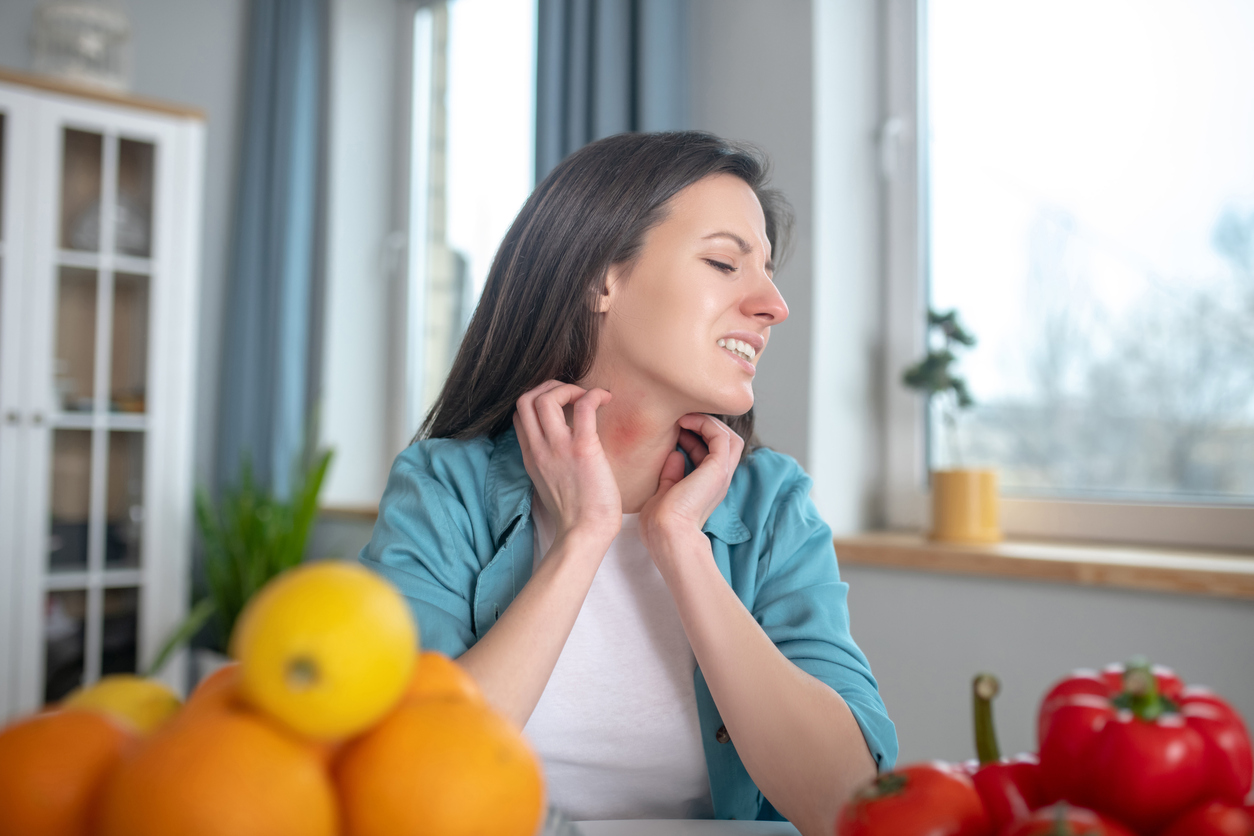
column 585, row 530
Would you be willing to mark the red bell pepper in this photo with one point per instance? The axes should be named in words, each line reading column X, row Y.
column 1104, row 684
column 1143, row 751
column 1214, row 818
column 1227, row 742
column 922, row 799
column 1062, row 819
column 1010, row 789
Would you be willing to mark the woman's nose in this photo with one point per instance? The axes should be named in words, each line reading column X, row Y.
column 766, row 304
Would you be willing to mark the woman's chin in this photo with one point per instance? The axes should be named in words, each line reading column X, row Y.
column 737, row 403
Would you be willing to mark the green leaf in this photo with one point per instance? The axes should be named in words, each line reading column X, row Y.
column 934, row 373
column 249, row 537
column 962, row 393
column 191, row 625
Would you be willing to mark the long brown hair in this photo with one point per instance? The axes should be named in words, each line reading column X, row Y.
column 536, row 320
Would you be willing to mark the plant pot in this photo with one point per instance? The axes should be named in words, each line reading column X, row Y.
column 964, row 506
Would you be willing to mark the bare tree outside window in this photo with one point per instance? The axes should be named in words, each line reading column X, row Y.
column 1100, row 242
column 1158, row 401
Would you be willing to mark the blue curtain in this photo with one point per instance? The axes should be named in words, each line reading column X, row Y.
column 608, row 66
column 266, row 370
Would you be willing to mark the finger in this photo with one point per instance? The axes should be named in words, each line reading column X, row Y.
column 693, row 446
column 672, row 471
column 526, row 410
column 586, row 414
column 736, row 446
column 721, row 423
column 525, row 423
column 549, row 410
column 715, row 433
column 531, row 394
column 711, row 430
column 524, row 443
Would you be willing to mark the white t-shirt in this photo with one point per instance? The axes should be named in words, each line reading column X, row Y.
column 617, row 724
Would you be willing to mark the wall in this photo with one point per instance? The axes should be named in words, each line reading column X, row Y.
column 752, row 81
column 928, row 635
column 191, row 52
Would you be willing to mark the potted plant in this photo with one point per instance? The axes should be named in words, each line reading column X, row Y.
column 251, row 536
column 964, row 500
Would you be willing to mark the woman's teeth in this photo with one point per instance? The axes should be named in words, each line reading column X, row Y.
column 739, row 347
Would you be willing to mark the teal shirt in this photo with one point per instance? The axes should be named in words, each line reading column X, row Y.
column 455, row 535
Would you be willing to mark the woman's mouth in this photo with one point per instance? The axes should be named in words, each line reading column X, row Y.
column 739, row 347
column 741, row 352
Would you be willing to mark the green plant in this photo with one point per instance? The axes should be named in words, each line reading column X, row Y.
column 935, row 376
column 248, row 539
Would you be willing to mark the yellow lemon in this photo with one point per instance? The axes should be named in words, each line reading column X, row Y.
column 144, row 704
column 327, row 648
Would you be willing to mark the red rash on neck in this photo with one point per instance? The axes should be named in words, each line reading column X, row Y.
column 621, row 436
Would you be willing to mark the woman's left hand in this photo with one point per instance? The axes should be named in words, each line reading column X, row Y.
column 682, row 503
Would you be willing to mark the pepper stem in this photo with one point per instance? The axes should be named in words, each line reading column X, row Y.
column 983, row 688
column 1140, row 690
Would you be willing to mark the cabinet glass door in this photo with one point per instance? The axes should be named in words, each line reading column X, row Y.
column 9, row 425
column 103, row 282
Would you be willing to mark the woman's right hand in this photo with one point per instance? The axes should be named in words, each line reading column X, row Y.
column 568, row 467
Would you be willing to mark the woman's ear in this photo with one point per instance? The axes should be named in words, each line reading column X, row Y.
column 604, row 296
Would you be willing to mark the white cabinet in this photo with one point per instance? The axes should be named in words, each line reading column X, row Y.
column 99, row 226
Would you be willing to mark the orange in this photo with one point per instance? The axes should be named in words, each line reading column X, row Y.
column 216, row 691
column 219, row 691
column 440, row 768
column 326, row 648
column 438, row 677
column 224, row 772
column 52, row 766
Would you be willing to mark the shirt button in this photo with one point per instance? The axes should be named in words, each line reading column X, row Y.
column 721, row 735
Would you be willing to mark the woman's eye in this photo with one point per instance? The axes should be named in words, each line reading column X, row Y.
column 718, row 265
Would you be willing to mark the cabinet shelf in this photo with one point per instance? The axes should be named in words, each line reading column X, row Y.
column 121, row 421
column 99, row 261
column 107, row 579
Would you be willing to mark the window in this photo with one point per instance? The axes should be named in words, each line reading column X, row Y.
column 1074, row 178
column 472, row 167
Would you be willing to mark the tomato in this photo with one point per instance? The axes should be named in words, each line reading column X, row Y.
column 1063, row 819
column 925, row 799
column 1214, row 818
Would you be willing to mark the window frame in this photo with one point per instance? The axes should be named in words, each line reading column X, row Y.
column 906, row 499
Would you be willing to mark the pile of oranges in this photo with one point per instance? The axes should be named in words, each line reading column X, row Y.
column 328, row 723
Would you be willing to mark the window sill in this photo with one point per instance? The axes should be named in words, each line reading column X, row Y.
column 1221, row 574
column 350, row 514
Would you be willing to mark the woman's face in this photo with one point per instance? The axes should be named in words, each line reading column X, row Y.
column 677, row 320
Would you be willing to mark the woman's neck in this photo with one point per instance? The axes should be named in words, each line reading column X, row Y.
column 637, row 433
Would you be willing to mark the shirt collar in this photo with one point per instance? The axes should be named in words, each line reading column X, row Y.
column 508, row 490
column 724, row 523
